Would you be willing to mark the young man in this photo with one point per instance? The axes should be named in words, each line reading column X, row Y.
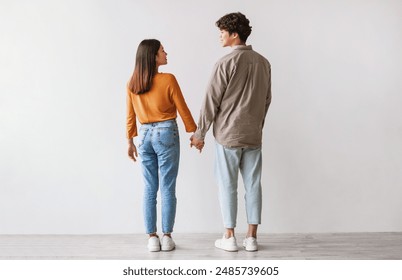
column 236, row 102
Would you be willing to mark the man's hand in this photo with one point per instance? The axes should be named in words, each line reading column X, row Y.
column 132, row 151
column 199, row 144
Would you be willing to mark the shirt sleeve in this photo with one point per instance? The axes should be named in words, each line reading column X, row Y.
column 269, row 95
column 212, row 101
column 181, row 106
column 131, row 122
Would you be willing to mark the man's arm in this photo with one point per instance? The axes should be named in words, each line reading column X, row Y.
column 212, row 100
column 269, row 95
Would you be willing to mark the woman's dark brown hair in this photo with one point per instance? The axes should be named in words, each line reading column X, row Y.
column 145, row 66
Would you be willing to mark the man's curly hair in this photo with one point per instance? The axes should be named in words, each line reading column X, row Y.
column 235, row 22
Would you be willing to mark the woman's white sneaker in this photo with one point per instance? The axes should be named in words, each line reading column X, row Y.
column 227, row 244
column 167, row 243
column 154, row 244
column 250, row 244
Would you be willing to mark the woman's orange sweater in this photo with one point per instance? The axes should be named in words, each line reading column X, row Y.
column 161, row 103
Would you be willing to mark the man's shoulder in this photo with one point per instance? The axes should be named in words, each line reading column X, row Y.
column 235, row 56
column 239, row 53
column 226, row 58
column 228, row 61
column 254, row 53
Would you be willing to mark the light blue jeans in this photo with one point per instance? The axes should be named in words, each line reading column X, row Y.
column 159, row 149
column 228, row 162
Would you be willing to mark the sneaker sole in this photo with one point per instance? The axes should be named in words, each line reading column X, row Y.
column 231, row 249
column 228, row 249
column 250, row 250
column 168, row 249
column 154, row 249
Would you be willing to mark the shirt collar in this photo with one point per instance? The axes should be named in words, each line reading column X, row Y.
column 242, row 47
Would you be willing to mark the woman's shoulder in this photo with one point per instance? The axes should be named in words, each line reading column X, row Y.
column 167, row 76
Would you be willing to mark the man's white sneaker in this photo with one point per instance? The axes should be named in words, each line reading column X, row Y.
column 153, row 244
column 250, row 244
column 167, row 243
column 227, row 244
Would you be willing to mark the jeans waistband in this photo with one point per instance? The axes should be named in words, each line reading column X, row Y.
column 167, row 123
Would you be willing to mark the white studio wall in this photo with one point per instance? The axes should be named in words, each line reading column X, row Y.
column 332, row 141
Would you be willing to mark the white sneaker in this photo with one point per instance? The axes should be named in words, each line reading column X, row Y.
column 250, row 244
column 227, row 244
column 167, row 243
column 154, row 244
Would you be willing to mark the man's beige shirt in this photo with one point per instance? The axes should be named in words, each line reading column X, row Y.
column 237, row 99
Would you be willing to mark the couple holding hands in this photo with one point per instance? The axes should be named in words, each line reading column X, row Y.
column 236, row 103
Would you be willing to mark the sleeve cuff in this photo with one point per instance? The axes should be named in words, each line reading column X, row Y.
column 199, row 135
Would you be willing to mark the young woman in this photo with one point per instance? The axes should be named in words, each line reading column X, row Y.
column 154, row 98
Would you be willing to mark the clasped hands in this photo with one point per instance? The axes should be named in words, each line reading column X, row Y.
column 199, row 144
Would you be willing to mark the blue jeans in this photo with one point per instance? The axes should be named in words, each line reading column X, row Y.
column 159, row 150
column 228, row 162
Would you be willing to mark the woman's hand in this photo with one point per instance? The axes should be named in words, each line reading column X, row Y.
column 132, row 151
column 199, row 144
